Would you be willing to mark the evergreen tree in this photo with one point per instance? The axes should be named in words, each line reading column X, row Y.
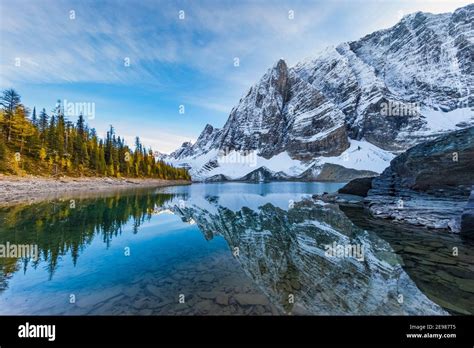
column 9, row 100
column 43, row 126
column 80, row 153
column 67, row 148
column 21, row 129
column 34, row 120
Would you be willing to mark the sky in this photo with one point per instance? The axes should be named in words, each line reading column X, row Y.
column 162, row 70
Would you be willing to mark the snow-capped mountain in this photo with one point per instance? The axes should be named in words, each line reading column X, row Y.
column 354, row 105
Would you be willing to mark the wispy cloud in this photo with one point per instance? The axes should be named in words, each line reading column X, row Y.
column 173, row 61
column 92, row 43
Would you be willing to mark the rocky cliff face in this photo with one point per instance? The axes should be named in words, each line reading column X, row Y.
column 391, row 90
column 429, row 184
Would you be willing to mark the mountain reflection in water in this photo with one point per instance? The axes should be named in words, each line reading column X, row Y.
column 231, row 248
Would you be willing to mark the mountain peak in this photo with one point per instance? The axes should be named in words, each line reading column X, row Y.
column 280, row 67
column 281, row 64
column 280, row 78
column 208, row 128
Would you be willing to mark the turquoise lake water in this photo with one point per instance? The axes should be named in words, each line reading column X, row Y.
column 221, row 249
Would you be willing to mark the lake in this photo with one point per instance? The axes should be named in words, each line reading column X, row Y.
column 226, row 249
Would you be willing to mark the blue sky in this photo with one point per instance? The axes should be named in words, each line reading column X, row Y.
column 173, row 61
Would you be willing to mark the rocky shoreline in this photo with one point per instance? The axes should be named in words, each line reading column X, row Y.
column 30, row 189
column 429, row 185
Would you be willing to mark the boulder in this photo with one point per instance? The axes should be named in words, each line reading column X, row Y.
column 358, row 187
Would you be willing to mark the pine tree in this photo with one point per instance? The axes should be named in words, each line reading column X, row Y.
column 34, row 119
column 61, row 134
column 102, row 163
column 80, row 153
column 69, row 148
column 52, row 138
column 9, row 100
column 43, row 126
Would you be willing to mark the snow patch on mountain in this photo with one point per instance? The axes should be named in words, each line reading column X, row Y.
column 361, row 155
column 438, row 121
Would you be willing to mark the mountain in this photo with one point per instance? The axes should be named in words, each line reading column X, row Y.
column 355, row 105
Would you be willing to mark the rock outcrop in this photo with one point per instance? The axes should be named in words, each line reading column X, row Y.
column 335, row 172
column 358, row 187
column 429, row 184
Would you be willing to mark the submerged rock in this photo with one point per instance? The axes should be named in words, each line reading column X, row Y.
column 428, row 258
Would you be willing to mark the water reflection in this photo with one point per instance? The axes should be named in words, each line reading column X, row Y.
column 263, row 252
column 441, row 264
column 282, row 249
column 62, row 227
